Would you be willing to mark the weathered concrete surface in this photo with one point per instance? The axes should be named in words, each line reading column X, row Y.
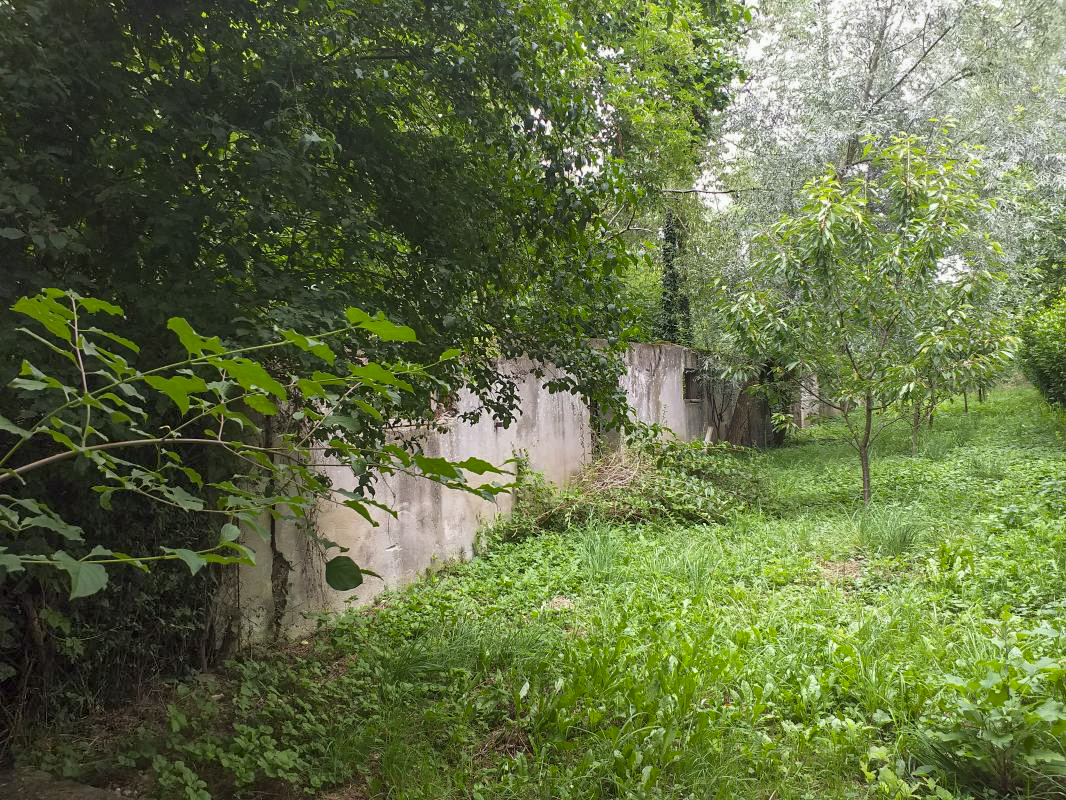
column 433, row 524
column 36, row 785
column 807, row 404
column 714, row 410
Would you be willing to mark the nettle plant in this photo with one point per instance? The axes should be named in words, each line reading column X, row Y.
column 225, row 400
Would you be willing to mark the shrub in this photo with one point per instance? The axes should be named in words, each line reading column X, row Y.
column 1043, row 351
column 891, row 530
column 652, row 477
column 1001, row 730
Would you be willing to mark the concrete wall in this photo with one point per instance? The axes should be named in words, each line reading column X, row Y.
column 712, row 410
column 434, row 524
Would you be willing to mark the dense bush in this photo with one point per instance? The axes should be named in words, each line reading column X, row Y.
column 1044, row 351
column 651, row 478
column 60, row 659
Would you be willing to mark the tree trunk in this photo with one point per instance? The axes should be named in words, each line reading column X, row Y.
column 965, row 401
column 864, row 449
column 675, row 319
column 916, row 427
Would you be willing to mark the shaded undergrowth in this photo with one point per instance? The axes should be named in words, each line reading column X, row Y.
column 786, row 644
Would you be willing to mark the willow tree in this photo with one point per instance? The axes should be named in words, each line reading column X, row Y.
column 822, row 76
column 869, row 284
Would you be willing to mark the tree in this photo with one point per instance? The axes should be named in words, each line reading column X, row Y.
column 463, row 169
column 822, row 76
column 870, row 285
column 666, row 78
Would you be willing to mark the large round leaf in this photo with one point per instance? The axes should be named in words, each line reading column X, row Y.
column 343, row 574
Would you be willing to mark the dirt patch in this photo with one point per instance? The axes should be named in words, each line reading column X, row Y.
column 842, row 571
column 507, row 741
column 353, row 791
column 36, row 785
column 557, row 603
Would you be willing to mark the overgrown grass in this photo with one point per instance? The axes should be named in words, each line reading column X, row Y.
column 802, row 647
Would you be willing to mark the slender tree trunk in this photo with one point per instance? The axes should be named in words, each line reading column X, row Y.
column 965, row 401
column 864, row 449
column 675, row 323
column 916, row 427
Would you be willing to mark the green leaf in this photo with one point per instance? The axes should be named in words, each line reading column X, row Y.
column 258, row 402
column 177, row 388
column 366, row 408
column 375, row 373
column 192, row 560
column 7, row 426
column 441, row 467
column 310, row 388
column 230, row 532
column 33, row 380
column 48, row 312
column 360, row 508
column 479, row 466
column 9, row 562
column 11, row 233
column 115, row 338
column 1051, row 711
column 380, row 326
column 343, row 574
column 453, row 353
column 194, row 343
column 94, row 305
column 313, row 346
column 86, row 578
column 182, row 498
column 399, row 453
column 50, row 521
column 244, row 555
column 251, row 375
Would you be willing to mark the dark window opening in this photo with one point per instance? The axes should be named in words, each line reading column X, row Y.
column 692, row 385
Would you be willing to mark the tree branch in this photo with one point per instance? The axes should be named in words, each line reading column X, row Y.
column 715, row 191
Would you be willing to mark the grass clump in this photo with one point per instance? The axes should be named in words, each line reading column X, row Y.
column 891, row 530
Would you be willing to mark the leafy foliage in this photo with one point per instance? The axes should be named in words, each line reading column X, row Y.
column 877, row 290
column 1002, row 730
column 823, row 77
column 1043, row 350
column 458, row 167
column 653, row 477
column 102, row 412
column 99, row 434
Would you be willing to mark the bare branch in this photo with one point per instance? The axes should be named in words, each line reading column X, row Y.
column 715, row 191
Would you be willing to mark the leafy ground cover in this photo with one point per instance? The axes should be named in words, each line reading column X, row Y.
column 792, row 646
